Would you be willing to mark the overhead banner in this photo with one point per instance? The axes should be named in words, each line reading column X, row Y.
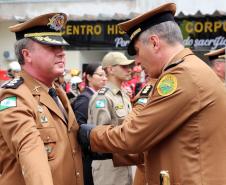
column 95, row 35
column 200, row 33
column 203, row 33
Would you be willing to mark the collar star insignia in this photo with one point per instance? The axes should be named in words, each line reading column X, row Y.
column 36, row 89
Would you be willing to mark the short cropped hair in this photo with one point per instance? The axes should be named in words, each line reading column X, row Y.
column 19, row 45
column 169, row 31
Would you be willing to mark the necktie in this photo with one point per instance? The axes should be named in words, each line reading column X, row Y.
column 53, row 94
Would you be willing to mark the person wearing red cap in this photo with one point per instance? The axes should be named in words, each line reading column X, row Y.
column 182, row 127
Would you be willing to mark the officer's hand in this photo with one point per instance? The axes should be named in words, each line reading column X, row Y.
column 83, row 137
column 84, row 140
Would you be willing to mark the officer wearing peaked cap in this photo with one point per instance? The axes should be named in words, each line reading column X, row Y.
column 182, row 127
column 38, row 132
column 217, row 62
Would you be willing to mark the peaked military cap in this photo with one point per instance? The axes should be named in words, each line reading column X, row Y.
column 137, row 25
column 216, row 54
column 46, row 29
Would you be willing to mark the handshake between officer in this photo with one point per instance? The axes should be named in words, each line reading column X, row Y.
column 119, row 159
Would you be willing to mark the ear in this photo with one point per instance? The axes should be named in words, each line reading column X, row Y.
column 88, row 77
column 27, row 55
column 154, row 41
column 110, row 70
column 219, row 66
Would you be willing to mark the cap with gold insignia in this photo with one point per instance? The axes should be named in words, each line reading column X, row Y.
column 216, row 54
column 46, row 29
column 137, row 25
column 115, row 58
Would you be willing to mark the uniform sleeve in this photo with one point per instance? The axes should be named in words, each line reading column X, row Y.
column 127, row 159
column 19, row 131
column 100, row 110
column 161, row 116
column 80, row 108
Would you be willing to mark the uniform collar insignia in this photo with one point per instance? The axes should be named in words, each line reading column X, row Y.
column 36, row 88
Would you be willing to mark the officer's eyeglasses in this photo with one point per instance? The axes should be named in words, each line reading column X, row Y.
column 100, row 74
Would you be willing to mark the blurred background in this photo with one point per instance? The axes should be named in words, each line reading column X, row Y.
column 92, row 29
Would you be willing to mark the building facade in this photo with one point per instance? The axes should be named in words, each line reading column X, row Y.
column 92, row 29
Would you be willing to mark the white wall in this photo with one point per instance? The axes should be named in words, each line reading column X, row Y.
column 185, row 6
column 7, row 40
column 92, row 7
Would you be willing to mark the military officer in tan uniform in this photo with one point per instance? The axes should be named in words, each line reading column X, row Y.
column 140, row 100
column 217, row 62
column 182, row 128
column 37, row 135
column 110, row 105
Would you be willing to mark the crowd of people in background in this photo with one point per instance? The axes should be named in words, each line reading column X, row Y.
column 74, row 83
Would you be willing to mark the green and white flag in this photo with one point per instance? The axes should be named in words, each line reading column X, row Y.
column 7, row 103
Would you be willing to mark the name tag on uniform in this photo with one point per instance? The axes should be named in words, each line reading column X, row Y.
column 119, row 106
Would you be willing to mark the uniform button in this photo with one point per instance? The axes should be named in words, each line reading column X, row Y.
column 77, row 173
column 73, row 151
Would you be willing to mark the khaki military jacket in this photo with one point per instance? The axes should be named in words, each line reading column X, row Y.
column 139, row 102
column 38, row 147
column 109, row 105
column 182, row 129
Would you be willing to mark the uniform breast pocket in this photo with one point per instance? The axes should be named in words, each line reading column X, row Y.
column 49, row 137
column 121, row 113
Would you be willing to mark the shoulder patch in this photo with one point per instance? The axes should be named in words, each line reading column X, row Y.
column 100, row 103
column 14, row 83
column 103, row 90
column 8, row 103
column 167, row 85
column 146, row 90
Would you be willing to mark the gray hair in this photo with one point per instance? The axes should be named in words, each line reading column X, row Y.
column 169, row 31
column 19, row 46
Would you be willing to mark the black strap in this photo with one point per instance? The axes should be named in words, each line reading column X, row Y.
column 53, row 94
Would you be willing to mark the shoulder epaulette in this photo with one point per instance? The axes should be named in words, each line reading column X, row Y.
column 14, row 83
column 146, row 90
column 103, row 90
column 173, row 65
